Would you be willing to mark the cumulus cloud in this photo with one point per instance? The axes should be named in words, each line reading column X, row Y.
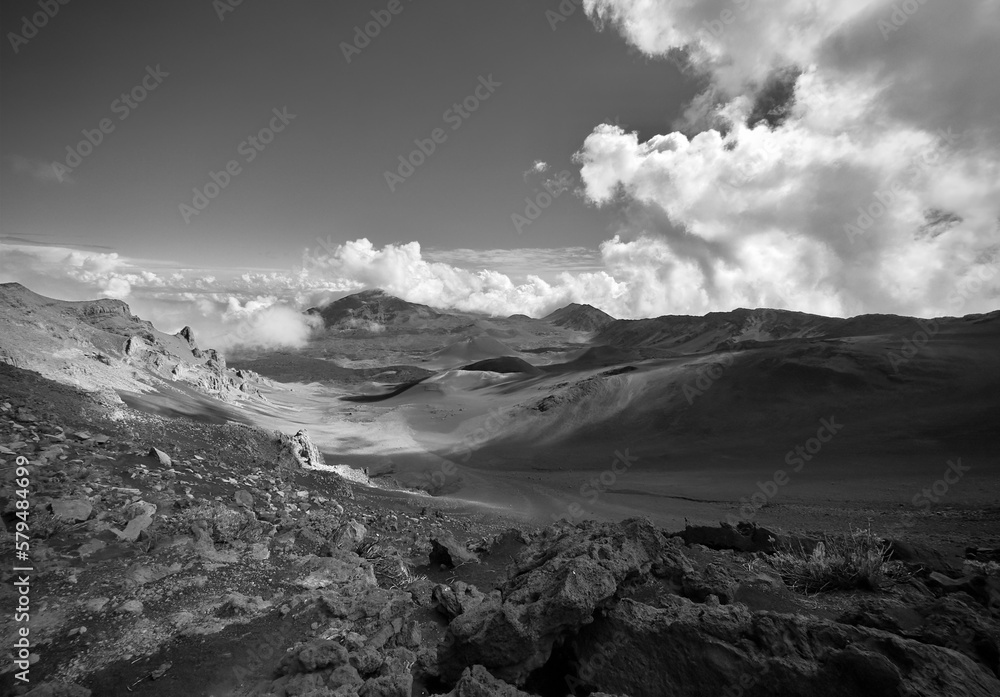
column 636, row 278
column 843, row 156
column 263, row 323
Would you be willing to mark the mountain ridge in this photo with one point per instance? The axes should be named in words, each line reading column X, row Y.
column 100, row 346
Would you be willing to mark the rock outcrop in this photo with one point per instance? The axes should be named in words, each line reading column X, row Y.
column 625, row 608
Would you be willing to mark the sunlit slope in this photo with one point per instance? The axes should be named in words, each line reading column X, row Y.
column 893, row 396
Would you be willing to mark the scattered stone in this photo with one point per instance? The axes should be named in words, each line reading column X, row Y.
column 59, row 689
column 161, row 671
column 260, row 551
column 453, row 600
column 743, row 537
column 349, row 535
column 133, row 607
column 983, row 554
column 366, row 660
column 25, row 416
column 72, row 509
column 134, row 528
column 239, row 605
column 244, row 499
column 337, row 570
column 161, row 456
column 141, row 574
column 447, row 551
column 96, row 604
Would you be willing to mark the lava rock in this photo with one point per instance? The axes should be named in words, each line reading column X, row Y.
column 448, row 551
column 72, row 509
column 161, row 456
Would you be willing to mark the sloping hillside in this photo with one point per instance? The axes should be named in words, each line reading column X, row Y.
column 100, row 345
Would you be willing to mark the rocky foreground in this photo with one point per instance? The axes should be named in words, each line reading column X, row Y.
column 176, row 557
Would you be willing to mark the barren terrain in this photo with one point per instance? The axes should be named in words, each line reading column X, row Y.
column 441, row 506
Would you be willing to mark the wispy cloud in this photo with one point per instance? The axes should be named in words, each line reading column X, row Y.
column 522, row 262
column 537, row 167
column 39, row 170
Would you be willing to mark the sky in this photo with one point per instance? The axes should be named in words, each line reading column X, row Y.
column 648, row 157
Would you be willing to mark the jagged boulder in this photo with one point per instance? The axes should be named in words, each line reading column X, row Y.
column 135, row 347
column 459, row 597
column 625, row 608
column 188, row 335
column 694, row 650
column 555, row 588
column 479, row 682
column 72, row 509
column 449, row 552
column 395, row 685
column 348, row 536
column 743, row 537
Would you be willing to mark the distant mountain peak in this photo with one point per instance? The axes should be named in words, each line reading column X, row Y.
column 586, row 318
column 371, row 309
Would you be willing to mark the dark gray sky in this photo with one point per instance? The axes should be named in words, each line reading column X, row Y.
column 324, row 174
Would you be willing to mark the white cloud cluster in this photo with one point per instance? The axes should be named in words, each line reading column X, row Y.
column 836, row 201
column 264, row 323
column 635, row 279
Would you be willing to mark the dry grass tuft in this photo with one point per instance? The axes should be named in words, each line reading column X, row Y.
column 857, row 560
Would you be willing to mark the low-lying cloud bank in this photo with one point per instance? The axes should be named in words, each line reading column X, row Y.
column 639, row 278
column 226, row 309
